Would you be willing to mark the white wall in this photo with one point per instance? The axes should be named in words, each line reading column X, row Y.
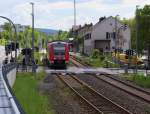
column 99, row 33
column 11, row 76
column 108, row 25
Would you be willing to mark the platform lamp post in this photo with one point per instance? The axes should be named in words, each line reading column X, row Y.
column 116, row 35
column 15, row 35
column 137, row 30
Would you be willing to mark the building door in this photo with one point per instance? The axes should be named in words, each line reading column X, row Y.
column 102, row 45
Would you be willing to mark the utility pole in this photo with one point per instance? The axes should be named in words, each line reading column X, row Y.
column 74, row 12
column 116, row 36
column 33, row 62
column 137, row 30
column 74, row 26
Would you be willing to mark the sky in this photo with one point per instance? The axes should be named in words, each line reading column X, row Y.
column 58, row 14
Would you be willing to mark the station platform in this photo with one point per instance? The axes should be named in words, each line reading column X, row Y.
column 5, row 104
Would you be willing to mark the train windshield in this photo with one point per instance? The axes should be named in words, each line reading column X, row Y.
column 59, row 49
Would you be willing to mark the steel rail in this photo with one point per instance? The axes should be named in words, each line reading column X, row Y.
column 80, row 96
column 83, row 64
column 124, row 83
column 77, row 64
column 93, row 90
column 127, row 90
column 96, row 93
column 140, row 89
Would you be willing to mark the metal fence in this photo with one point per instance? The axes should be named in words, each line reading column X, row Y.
column 16, row 105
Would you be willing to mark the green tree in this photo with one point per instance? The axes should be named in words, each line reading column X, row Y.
column 8, row 32
column 61, row 35
column 143, row 21
column 132, row 24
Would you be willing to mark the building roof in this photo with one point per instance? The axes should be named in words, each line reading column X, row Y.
column 110, row 17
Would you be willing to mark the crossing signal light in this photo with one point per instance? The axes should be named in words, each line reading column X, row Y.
column 13, row 46
column 26, row 51
column 17, row 45
column 130, row 52
column 7, row 49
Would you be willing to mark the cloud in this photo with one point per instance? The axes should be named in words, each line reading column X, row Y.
column 58, row 14
column 112, row 1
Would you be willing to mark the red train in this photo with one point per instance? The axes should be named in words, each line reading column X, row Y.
column 58, row 54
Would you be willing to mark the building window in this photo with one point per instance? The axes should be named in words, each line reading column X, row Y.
column 107, row 35
column 114, row 35
column 113, row 47
column 87, row 36
column 90, row 36
column 110, row 35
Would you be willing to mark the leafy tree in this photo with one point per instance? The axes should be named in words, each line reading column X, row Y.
column 143, row 21
column 61, row 35
column 132, row 24
column 8, row 32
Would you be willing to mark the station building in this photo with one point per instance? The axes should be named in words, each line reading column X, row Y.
column 106, row 35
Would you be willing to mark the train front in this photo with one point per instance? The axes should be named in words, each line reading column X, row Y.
column 58, row 54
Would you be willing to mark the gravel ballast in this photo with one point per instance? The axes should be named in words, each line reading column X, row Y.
column 120, row 97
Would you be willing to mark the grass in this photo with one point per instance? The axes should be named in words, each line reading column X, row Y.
column 26, row 90
column 140, row 80
column 96, row 62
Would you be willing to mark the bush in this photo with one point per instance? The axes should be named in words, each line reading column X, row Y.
column 102, row 58
column 95, row 54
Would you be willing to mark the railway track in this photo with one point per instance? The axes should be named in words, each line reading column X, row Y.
column 78, row 63
column 122, row 85
column 97, row 103
column 128, row 88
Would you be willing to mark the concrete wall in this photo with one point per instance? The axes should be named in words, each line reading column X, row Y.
column 11, row 76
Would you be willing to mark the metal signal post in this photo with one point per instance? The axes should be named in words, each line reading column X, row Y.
column 137, row 28
column 33, row 62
